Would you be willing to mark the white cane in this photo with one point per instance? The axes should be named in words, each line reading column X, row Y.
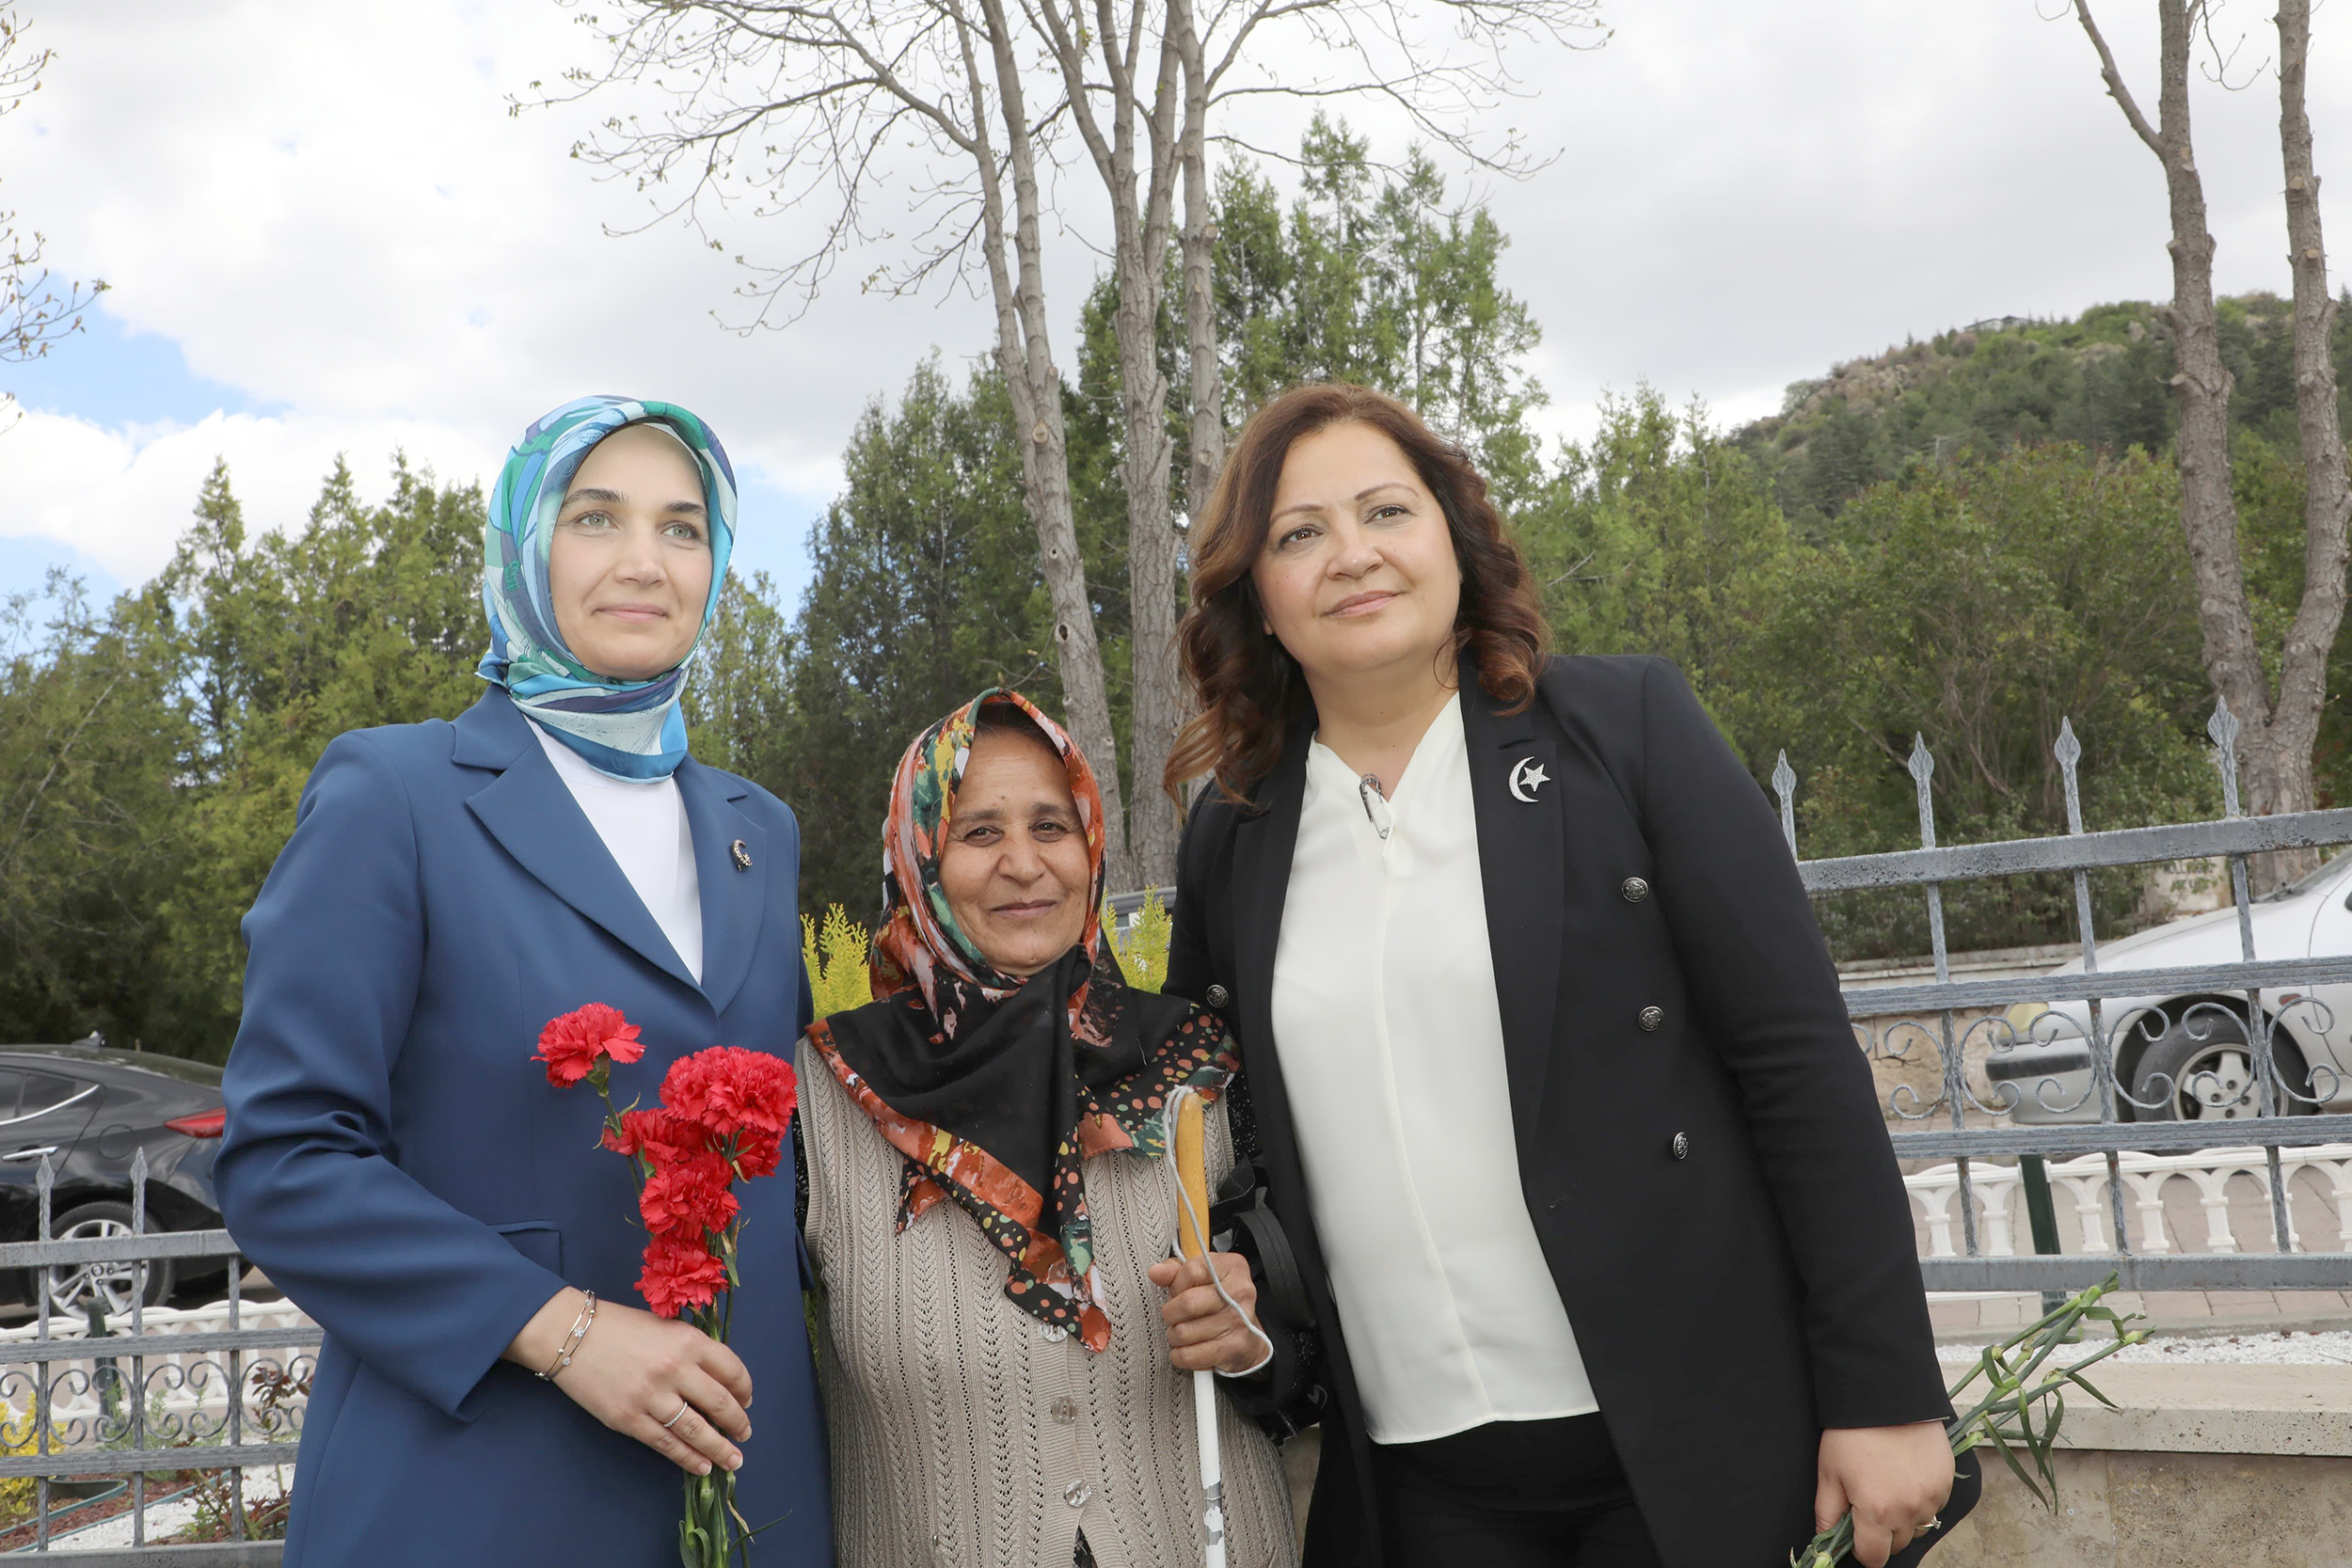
column 1192, row 1241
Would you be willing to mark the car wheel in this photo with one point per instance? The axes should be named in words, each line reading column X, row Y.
column 2202, row 1069
column 72, row 1287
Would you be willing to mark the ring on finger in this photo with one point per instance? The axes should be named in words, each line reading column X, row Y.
column 684, row 1405
column 1935, row 1524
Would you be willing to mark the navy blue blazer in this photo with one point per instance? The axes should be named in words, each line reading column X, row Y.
column 402, row 1168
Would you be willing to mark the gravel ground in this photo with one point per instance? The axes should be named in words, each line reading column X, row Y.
column 261, row 1481
column 2274, row 1348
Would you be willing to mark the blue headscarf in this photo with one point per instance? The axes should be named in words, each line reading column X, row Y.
column 630, row 729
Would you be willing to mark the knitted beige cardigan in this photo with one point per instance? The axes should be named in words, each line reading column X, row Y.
column 966, row 1434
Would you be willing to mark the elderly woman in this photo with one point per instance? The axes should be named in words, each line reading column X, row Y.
column 1004, row 1384
column 491, row 1391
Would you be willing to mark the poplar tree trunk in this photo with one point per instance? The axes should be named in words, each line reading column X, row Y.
column 2277, row 728
column 1205, row 428
column 1142, row 254
column 2326, row 495
column 1024, row 353
column 1139, row 174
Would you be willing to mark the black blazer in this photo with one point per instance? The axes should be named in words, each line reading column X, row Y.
column 1699, row 1141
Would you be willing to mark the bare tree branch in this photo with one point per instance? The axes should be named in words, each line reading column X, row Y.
column 2114, row 78
column 761, row 108
column 36, row 309
column 2279, row 723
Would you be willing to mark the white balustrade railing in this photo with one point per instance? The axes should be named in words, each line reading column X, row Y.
column 1935, row 1191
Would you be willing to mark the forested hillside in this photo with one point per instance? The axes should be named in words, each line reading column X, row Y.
column 2098, row 380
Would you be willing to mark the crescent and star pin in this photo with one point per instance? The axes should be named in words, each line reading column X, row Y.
column 1526, row 772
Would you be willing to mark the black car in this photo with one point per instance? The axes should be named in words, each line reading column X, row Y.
column 91, row 1108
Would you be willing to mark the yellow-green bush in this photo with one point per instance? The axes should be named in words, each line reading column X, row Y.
column 835, row 954
column 18, row 1430
column 836, row 951
column 1143, row 949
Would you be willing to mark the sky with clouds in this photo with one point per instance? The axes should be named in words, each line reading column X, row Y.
column 325, row 234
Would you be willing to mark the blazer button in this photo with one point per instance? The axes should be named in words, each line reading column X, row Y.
column 1682, row 1146
column 1651, row 1017
column 1219, row 996
column 1633, row 889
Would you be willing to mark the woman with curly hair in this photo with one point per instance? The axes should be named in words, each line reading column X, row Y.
column 1554, row 1087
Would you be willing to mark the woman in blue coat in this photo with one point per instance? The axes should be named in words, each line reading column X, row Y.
column 394, row 1158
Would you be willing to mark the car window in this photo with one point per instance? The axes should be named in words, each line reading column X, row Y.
column 11, row 1090
column 45, row 1090
column 2313, row 877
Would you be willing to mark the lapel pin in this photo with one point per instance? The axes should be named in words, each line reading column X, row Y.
column 742, row 856
column 1526, row 773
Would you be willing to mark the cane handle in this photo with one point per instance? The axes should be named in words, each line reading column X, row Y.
column 1192, row 1170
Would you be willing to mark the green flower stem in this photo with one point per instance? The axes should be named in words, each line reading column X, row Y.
column 2010, row 1393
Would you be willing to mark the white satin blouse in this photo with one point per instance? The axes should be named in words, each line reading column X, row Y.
column 1390, row 1040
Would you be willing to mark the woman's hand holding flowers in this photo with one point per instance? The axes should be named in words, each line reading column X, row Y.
column 635, row 1371
column 1895, row 1479
column 1204, row 1334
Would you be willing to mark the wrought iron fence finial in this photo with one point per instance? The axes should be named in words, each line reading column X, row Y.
column 2069, row 752
column 1922, row 767
column 1785, row 785
column 2223, row 727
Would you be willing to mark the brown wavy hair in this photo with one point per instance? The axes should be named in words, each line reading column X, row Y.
column 1246, row 686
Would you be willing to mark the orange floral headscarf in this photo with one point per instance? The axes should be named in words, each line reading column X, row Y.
column 920, row 944
column 995, row 1090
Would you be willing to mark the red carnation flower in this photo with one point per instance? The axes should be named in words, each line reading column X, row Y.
column 689, row 1199
column 663, row 1139
column 758, row 1154
column 679, row 1274
column 574, row 1046
column 731, row 1090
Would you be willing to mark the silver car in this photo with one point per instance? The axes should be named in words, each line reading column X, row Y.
column 2185, row 1057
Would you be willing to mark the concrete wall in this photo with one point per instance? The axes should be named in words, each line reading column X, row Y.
column 2161, row 1510
column 2248, row 1466
column 2202, row 1467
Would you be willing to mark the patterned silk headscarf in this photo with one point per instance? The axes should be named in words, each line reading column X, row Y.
column 631, row 729
column 996, row 1090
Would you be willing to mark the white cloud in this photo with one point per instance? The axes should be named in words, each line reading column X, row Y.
column 329, row 209
column 122, row 496
column 1750, row 192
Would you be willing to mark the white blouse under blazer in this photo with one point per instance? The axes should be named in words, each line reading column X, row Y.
column 1390, row 1038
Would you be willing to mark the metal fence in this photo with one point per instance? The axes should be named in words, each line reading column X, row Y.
column 1973, row 1131
column 2258, row 992
column 147, row 1405
column 203, row 1395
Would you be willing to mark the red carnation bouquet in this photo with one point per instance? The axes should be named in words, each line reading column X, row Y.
column 721, row 1119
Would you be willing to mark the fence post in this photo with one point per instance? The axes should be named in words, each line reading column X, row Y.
column 2032, row 1171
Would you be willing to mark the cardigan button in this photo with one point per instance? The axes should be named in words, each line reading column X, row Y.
column 1633, row 889
column 1682, row 1146
column 1219, row 996
column 1064, row 1411
column 1076, row 1493
column 1651, row 1020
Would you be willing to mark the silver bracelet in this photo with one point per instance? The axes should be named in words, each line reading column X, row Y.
column 571, row 1341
